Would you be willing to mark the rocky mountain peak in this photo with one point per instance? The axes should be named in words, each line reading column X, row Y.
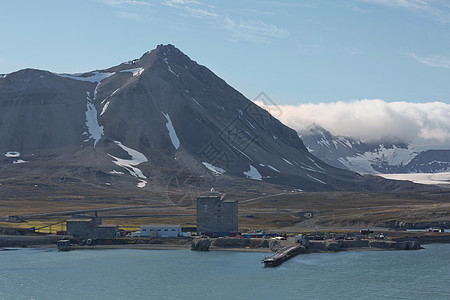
column 152, row 118
column 168, row 50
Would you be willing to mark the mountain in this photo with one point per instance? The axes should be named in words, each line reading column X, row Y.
column 383, row 156
column 149, row 122
column 429, row 161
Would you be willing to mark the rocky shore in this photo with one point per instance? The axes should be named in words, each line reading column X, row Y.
column 393, row 241
column 328, row 245
column 22, row 241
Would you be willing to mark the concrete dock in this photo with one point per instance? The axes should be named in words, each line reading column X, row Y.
column 283, row 255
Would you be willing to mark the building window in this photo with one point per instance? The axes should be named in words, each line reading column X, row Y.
column 166, row 229
column 205, row 208
column 173, row 229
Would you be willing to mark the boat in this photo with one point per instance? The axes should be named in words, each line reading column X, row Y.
column 63, row 245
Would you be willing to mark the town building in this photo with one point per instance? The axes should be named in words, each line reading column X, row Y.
column 90, row 228
column 161, row 230
column 214, row 215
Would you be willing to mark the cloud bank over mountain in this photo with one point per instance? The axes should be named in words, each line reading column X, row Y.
column 426, row 125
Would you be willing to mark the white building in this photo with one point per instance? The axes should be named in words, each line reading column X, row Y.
column 160, row 230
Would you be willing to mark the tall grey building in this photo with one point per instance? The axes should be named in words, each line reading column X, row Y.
column 216, row 215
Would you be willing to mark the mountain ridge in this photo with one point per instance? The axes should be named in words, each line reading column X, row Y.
column 152, row 119
column 390, row 155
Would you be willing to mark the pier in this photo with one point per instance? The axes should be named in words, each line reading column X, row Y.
column 283, row 255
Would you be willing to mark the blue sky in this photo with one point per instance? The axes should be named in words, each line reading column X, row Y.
column 295, row 51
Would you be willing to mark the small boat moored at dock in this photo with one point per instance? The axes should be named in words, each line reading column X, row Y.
column 63, row 245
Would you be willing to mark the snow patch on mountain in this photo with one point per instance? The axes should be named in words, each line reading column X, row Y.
column 318, row 180
column 359, row 164
column 96, row 77
column 107, row 101
column 324, row 143
column 19, row 161
column 142, row 183
column 253, row 173
column 251, row 124
column 105, row 107
column 172, row 134
column 136, row 156
column 273, row 168
column 130, row 164
column 214, row 169
column 363, row 163
column 93, row 127
column 116, row 172
column 12, row 154
column 135, row 71
column 287, row 161
column 314, row 162
column 169, row 68
column 395, row 156
column 345, row 142
column 241, row 152
column 115, row 91
column 196, row 102
column 270, row 167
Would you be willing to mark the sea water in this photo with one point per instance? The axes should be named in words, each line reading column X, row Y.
column 183, row 274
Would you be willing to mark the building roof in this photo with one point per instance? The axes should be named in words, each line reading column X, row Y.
column 79, row 220
column 215, row 198
column 161, row 225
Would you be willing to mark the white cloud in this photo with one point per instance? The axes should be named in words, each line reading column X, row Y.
column 438, row 61
column 243, row 30
column 198, row 12
column 436, row 9
column 177, row 2
column 254, row 31
column 125, row 2
column 424, row 124
column 129, row 16
column 303, row 4
column 191, row 7
column 409, row 4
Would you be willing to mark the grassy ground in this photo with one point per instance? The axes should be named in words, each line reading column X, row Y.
column 256, row 212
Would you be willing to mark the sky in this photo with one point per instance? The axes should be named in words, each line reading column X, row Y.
column 321, row 55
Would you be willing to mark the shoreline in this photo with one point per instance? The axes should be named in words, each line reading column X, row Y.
column 188, row 247
column 142, row 247
column 393, row 241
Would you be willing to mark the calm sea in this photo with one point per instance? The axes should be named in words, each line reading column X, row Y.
column 184, row 274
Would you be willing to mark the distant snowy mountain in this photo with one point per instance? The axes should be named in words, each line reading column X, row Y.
column 373, row 157
column 429, row 161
